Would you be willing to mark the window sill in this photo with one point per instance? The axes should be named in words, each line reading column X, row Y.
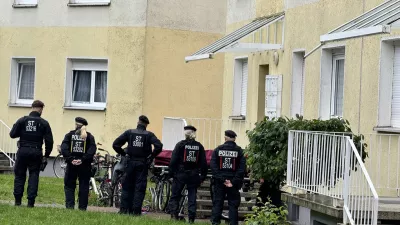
column 237, row 117
column 87, row 108
column 88, row 4
column 387, row 129
column 25, row 5
column 19, row 105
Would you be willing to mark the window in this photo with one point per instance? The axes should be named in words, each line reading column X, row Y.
column 89, row 2
column 87, row 84
column 337, row 87
column 332, row 83
column 26, row 2
column 240, row 87
column 22, row 81
column 273, row 96
column 298, row 81
column 389, row 86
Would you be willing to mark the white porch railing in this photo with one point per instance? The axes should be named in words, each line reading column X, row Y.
column 329, row 164
column 210, row 132
column 8, row 146
column 361, row 199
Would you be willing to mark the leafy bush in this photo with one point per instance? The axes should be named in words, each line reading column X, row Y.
column 267, row 151
column 268, row 214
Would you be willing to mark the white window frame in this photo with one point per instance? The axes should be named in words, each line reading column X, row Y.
column 15, row 82
column 84, row 64
column 89, row 2
column 296, row 65
column 237, row 90
column 335, row 58
column 384, row 120
column 278, row 106
column 325, row 96
column 25, row 3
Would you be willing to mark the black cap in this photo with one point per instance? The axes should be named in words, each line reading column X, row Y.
column 81, row 121
column 144, row 119
column 230, row 134
column 37, row 104
column 190, row 127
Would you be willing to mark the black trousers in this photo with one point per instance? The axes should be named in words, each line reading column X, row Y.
column 81, row 172
column 233, row 196
column 191, row 178
column 27, row 159
column 134, row 183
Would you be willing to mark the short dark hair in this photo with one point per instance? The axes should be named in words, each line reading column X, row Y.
column 144, row 119
column 37, row 104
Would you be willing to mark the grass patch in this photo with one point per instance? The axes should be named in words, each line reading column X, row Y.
column 11, row 215
column 51, row 190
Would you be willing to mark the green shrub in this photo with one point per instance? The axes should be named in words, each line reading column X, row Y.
column 267, row 151
column 268, row 214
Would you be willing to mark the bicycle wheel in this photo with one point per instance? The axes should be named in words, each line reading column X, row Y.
column 59, row 166
column 164, row 195
column 183, row 202
column 115, row 199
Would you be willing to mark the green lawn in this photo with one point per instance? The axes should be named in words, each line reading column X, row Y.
column 51, row 190
column 11, row 215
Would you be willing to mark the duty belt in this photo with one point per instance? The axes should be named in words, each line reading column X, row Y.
column 31, row 146
column 140, row 159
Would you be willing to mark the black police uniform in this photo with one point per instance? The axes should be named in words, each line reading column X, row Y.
column 74, row 147
column 227, row 163
column 134, row 180
column 31, row 130
column 187, row 162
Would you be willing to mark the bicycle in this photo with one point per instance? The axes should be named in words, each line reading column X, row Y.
column 104, row 190
column 59, row 164
column 162, row 192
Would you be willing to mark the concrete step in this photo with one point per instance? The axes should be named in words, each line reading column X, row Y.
column 209, row 203
column 5, row 162
column 206, row 193
column 6, row 169
column 207, row 213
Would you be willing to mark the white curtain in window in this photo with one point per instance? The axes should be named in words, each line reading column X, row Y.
column 339, row 88
column 26, row 81
column 81, row 86
column 100, row 91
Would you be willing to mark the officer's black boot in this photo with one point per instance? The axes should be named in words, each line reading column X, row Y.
column 31, row 203
column 17, row 202
column 191, row 220
column 174, row 217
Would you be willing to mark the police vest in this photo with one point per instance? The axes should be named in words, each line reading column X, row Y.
column 138, row 147
column 228, row 159
column 191, row 155
column 31, row 131
column 78, row 145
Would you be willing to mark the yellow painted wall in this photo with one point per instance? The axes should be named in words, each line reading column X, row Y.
column 175, row 88
column 166, row 87
column 124, row 47
column 265, row 8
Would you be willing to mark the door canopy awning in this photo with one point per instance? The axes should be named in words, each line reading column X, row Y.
column 230, row 43
column 376, row 21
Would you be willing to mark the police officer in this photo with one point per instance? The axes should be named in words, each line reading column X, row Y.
column 228, row 166
column 31, row 130
column 140, row 155
column 187, row 162
column 78, row 149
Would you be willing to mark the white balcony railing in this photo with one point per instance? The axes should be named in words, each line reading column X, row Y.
column 329, row 164
column 8, row 146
